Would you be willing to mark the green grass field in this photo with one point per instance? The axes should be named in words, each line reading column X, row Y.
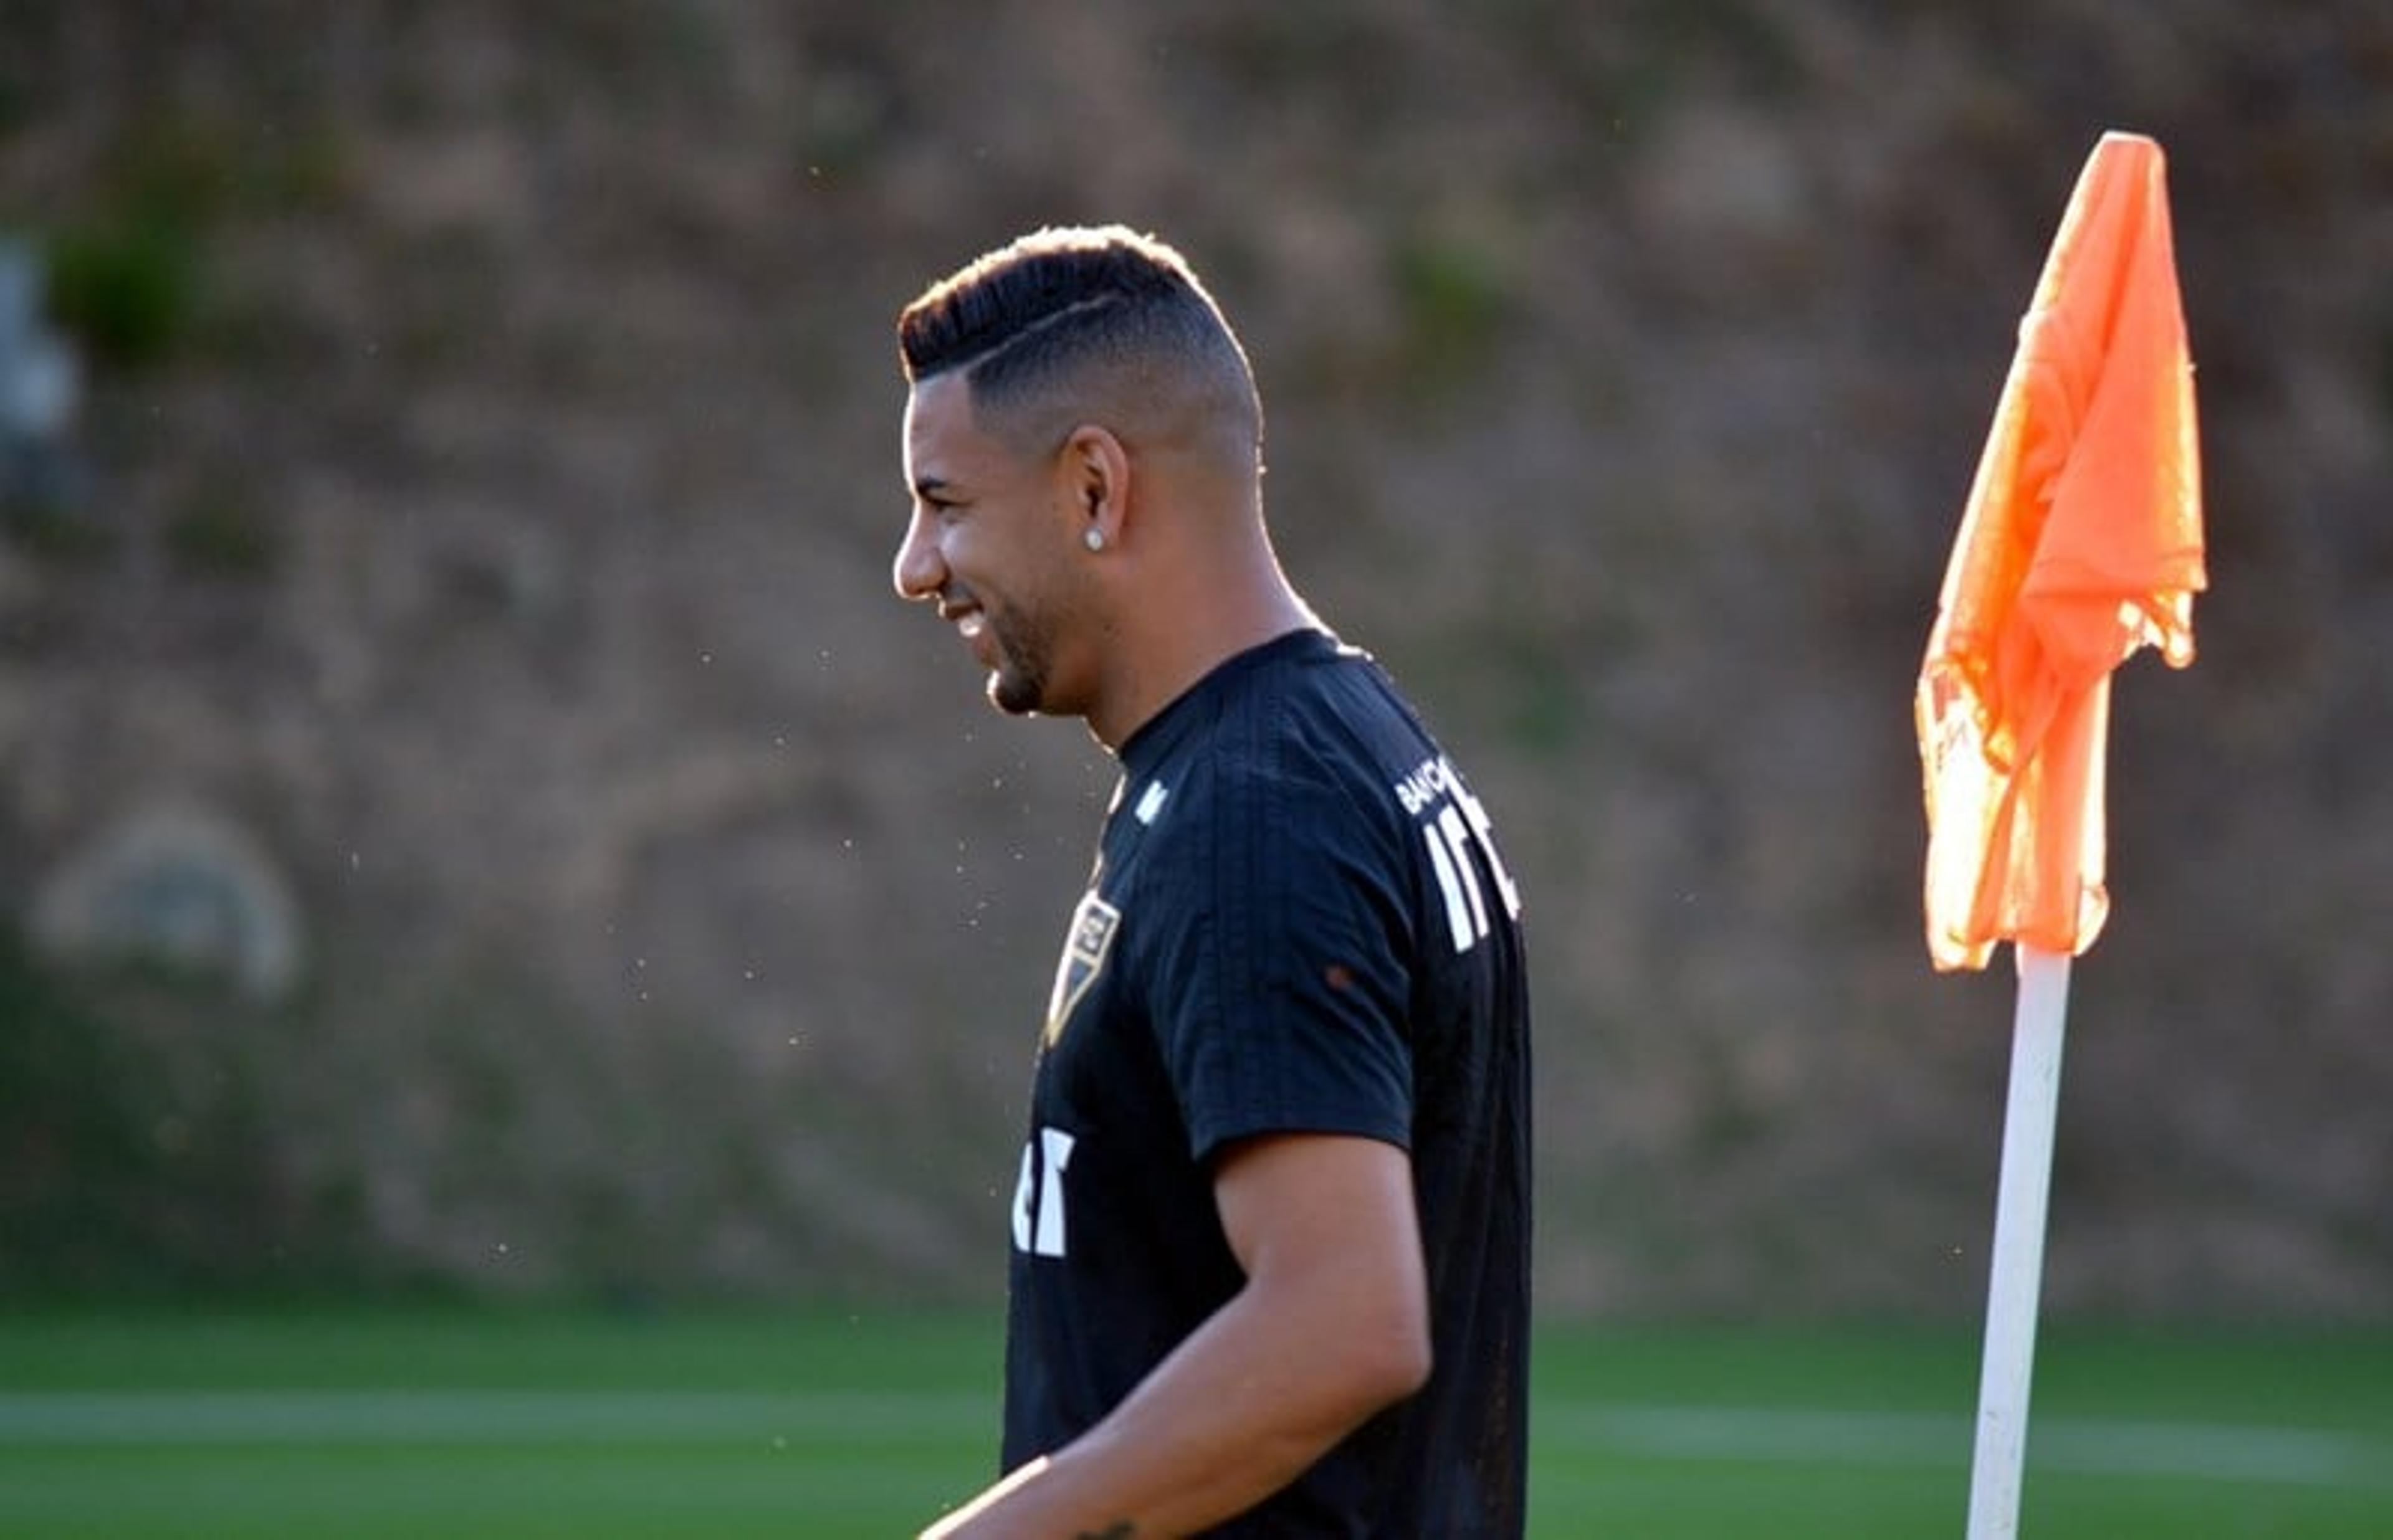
column 864, row 1423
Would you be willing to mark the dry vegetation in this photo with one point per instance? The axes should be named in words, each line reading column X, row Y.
column 491, row 427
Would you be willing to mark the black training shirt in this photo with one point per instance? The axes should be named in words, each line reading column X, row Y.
column 1298, row 922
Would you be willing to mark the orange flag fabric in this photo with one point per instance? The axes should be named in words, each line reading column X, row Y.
column 2081, row 542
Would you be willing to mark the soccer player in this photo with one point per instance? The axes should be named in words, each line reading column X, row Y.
column 1271, row 1235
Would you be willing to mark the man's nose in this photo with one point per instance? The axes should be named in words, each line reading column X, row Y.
column 917, row 571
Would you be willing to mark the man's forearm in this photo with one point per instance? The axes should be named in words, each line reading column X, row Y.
column 1240, row 1409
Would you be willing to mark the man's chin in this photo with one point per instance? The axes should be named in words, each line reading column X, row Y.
column 1014, row 695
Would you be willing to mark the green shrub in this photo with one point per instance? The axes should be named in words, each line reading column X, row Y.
column 222, row 534
column 124, row 287
column 137, row 1150
column 1454, row 303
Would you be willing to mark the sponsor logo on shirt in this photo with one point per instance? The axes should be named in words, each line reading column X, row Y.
column 1451, row 822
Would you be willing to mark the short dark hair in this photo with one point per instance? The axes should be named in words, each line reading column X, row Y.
column 1034, row 317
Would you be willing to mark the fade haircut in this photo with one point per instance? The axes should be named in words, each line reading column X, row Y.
column 1102, row 325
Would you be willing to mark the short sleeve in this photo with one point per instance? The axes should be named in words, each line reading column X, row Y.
column 1278, row 980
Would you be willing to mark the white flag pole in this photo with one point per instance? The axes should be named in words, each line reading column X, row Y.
column 2017, row 1270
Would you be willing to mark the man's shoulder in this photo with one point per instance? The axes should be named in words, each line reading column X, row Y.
column 1325, row 717
column 1332, row 753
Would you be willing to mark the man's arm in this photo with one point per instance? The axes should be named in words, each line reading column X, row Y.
column 1331, row 1326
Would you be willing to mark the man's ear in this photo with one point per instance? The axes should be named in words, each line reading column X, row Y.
column 1095, row 470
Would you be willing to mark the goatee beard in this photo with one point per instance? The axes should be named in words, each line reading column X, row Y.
column 1019, row 685
column 1014, row 693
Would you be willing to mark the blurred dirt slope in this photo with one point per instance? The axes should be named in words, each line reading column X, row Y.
column 490, row 512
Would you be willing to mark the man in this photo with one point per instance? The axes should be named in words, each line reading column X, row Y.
column 1270, row 1269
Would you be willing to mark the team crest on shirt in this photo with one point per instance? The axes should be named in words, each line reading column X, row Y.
column 1085, row 948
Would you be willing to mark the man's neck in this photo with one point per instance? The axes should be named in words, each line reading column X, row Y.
column 1171, row 646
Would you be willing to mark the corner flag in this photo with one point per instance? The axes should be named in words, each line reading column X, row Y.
column 2081, row 542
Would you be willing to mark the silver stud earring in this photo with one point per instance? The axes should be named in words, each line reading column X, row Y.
column 1094, row 540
